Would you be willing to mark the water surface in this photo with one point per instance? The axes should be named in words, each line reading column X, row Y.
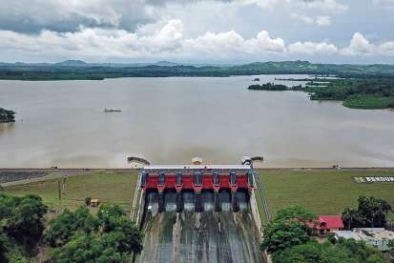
column 171, row 120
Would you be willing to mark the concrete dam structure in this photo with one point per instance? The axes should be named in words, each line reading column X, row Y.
column 198, row 213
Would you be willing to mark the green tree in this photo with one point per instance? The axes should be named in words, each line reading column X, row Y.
column 373, row 210
column 25, row 225
column 125, row 237
column 310, row 252
column 344, row 251
column 349, row 215
column 88, row 248
column 21, row 226
column 287, row 229
column 360, row 251
column 62, row 228
column 280, row 235
column 295, row 212
column 81, row 237
column 108, row 216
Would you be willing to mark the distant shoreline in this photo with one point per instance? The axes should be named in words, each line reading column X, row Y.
column 79, row 70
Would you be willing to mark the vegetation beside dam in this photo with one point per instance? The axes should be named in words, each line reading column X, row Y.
column 320, row 191
column 289, row 239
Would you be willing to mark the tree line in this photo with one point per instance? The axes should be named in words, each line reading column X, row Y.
column 79, row 236
column 101, row 71
column 358, row 92
column 274, row 87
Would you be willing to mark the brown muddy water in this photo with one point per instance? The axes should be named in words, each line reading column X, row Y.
column 171, row 120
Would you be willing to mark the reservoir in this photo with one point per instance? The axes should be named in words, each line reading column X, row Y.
column 171, row 120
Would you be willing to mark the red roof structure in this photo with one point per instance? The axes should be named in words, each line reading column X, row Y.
column 328, row 222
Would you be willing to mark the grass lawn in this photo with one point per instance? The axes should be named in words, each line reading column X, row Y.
column 322, row 192
column 108, row 187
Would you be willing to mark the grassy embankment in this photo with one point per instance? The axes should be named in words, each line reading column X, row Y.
column 321, row 191
column 108, row 187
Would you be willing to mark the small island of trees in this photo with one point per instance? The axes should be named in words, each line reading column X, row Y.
column 6, row 116
column 274, row 87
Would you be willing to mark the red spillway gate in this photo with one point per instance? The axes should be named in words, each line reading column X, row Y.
column 197, row 179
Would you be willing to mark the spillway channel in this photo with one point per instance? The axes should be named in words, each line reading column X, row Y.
column 207, row 236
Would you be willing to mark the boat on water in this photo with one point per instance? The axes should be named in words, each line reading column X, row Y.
column 108, row 110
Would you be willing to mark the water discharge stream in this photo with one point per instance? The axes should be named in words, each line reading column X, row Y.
column 223, row 237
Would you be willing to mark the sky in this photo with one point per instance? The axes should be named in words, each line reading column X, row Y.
column 197, row 31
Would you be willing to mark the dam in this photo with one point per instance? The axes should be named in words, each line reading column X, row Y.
column 198, row 213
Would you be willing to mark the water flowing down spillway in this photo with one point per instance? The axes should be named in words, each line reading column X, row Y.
column 209, row 236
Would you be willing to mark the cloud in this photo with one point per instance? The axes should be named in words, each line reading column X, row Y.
column 312, row 48
column 161, row 39
column 384, row 2
column 165, row 39
column 32, row 16
column 323, row 20
column 386, row 48
column 98, row 42
column 359, row 45
column 264, row 42
column 325, row 5
column 319, row 20
column 331, row 6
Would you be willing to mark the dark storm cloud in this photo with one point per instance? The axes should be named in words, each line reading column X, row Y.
column 32, row 16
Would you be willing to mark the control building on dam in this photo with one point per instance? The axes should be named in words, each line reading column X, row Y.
column 199, row 213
